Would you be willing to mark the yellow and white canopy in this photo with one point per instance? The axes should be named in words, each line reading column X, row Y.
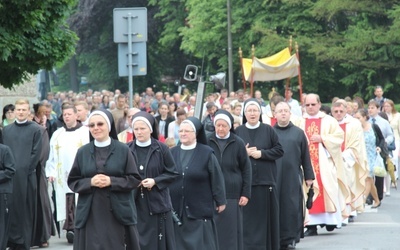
column 276, row 67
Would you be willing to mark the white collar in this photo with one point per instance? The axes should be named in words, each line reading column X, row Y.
column 226, row 137
column 143, row 144
column 252, row 126
column 102, row 144
column 21, row 122
column 183, row 147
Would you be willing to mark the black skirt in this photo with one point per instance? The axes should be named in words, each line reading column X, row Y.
column 230, row 226
column 156, row 231
column 261, row 220
column 199, row 234
column 102, row 231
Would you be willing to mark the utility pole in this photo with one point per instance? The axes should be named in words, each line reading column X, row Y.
column 230, row 62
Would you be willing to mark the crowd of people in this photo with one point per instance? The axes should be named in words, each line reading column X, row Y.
column 142, row 172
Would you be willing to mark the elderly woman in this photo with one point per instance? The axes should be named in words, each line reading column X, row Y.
column 261, row 215
column 104, row 174
column 157, row 169
column 199, row 190
column 231, row 153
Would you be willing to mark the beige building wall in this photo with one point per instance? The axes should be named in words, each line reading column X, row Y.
column 27, row 90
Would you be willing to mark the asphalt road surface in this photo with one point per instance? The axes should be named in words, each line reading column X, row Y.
column 372, row 230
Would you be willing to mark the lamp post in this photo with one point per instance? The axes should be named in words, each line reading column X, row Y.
column 230, row 63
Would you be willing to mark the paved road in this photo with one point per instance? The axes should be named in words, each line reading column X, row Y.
column 372, row 230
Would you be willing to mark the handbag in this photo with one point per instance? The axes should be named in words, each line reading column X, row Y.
column 310, row 196
column 379, row 166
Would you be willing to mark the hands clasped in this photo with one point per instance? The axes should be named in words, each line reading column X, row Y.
column 101, row 181
column 148, row 183
column 253, row 152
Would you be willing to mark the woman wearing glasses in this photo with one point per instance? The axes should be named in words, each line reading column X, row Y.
column 199, row 191
column 104, row 174
column 260, row 216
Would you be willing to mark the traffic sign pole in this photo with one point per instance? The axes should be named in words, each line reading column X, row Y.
column 134, row 21
column 130, row 75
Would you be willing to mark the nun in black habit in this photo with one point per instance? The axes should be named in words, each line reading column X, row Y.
column 261, row 215
column 199, row 191
column 157, row 170
column 231, row 153
column 104, row 174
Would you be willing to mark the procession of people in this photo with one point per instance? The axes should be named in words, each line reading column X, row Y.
column 153, row 176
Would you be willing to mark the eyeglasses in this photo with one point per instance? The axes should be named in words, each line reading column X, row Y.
column 311, row 104
column 185, row 131
column 338, row 111
column 99, row 124
column 9, row 112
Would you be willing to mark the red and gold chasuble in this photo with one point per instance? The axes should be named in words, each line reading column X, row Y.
column 343, row 126
column 313, row 127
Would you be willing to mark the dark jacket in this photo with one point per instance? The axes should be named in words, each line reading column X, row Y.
column 120, row 166
column 235, row 165
column 161, row 167
column 380, row 141
column 167, row 122
column 208, row 125
column 7, row 169
column 264, row 169
column 201, row 188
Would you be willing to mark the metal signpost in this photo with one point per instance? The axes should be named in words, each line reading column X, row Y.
column 130, row 32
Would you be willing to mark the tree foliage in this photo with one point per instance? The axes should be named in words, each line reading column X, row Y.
column 345, row 47
column 33, row 35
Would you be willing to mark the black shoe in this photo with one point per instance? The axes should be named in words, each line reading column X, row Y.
column 70, row 237
column 351, row 219
column 311, row 232
column 330, row 228
column 368, row 201
column 376, row 206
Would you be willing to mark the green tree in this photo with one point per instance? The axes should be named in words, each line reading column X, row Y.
column 363, row 39
column 33, row 36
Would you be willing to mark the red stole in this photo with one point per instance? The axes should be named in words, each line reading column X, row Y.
column 273, row 121
column 129, row 136
column 313, row 127
column 343, row 126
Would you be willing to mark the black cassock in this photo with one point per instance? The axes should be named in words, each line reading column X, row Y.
column 290, row 180
column 44, row 224
column 261, row 214
column 25, row 142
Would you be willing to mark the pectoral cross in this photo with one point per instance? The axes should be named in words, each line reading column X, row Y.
column 160, row 236
column 141, row 193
